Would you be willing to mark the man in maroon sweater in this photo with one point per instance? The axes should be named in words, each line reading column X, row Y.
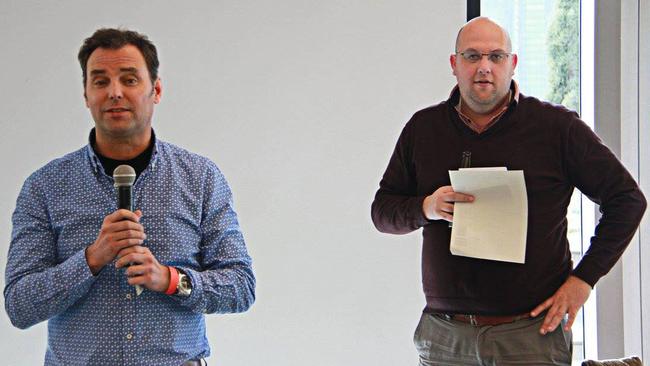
column 480, row 311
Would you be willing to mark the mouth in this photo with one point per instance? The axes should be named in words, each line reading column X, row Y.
column 483, row 82
column 116, row 110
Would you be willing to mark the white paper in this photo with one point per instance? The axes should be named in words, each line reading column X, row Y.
column 495, row 224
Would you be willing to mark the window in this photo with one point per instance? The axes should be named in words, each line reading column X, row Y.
column 550, row 36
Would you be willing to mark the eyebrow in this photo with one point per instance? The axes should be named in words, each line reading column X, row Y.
column 491, row 51
column 131, row 70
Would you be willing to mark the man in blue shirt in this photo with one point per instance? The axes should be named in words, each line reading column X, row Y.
column 74, row 258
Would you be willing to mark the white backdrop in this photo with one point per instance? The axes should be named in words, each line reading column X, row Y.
column 300, row 103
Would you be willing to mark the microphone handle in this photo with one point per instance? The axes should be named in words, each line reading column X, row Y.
column 125, row 201
column 125, row 197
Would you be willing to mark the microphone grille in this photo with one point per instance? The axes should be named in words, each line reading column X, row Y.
column 124, row 175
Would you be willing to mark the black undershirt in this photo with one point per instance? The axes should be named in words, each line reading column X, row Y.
column 139, row 163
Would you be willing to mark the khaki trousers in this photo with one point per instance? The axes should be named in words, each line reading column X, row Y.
column 443, row 342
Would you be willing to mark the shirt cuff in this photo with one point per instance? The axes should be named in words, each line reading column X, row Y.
column 417, row 212
column 586, row 273
column 192, row 301
column 75, row 271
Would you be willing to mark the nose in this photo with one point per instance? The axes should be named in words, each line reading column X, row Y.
column 115, row 91
column 484, row 65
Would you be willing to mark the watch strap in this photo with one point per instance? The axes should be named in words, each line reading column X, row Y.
column 173, row 281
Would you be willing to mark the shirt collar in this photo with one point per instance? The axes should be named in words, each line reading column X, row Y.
column 513, row 98
column 97, row 164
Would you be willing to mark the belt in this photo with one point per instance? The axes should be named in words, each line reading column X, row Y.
column 192, row 363
column 481, row 320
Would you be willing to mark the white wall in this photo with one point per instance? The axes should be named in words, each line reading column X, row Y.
column 300, row 104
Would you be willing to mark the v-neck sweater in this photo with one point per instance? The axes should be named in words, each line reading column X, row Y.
column 557, row 152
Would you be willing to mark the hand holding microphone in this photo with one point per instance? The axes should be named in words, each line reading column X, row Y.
column 142, row 268
column 121, row 229
column 121, row 237
column 123, row 178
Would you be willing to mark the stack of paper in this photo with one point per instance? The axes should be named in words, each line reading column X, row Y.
column 495, row 224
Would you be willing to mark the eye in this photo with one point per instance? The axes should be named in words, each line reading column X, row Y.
column 496, row 57
column 472, row 56
column 99, row 82
column 130, row 81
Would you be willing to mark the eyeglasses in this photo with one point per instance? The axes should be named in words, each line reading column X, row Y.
column 474, row 57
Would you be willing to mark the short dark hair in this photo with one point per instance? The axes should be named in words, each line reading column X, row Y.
column 112, row 38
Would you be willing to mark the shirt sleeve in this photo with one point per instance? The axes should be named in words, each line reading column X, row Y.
column 598, row 174
column 39, row 285
column 227, row 283
column 397, row 208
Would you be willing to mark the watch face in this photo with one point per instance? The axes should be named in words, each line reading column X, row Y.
column 184, row 287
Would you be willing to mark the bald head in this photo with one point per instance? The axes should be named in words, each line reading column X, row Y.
column 484, row 82
column 478, row 27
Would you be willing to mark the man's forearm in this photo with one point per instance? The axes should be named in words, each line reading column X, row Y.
column 617, row 225
column 396, row 214
column 38, row 296
column 221, row 290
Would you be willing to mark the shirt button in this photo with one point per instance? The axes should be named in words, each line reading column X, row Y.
column 128, row 296
column 129, row 336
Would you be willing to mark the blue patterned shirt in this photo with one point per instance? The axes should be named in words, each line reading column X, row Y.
column 190, row 224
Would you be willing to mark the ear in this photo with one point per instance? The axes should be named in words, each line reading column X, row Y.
column 514, row 62
column 157, row 91
column 86, row 98
column 452, row 62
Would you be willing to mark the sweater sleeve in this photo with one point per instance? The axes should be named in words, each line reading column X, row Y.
column 598, row 174
column 397, row 209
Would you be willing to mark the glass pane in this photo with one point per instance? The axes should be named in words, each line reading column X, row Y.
column 546, row 36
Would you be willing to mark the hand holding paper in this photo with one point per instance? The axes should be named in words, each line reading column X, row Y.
column 495, row 225
column 440, row 204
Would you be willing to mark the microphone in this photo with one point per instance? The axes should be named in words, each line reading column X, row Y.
column 123, row 177
column 466, row 160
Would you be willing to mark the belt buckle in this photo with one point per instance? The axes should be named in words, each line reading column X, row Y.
column 472, row 319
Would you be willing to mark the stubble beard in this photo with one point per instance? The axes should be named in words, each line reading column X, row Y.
column 119, row 129
column 483, row 105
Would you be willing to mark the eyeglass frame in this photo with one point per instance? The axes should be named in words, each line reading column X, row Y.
column 492, row 53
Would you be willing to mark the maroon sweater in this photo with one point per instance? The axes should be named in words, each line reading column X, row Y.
column 557, row 152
